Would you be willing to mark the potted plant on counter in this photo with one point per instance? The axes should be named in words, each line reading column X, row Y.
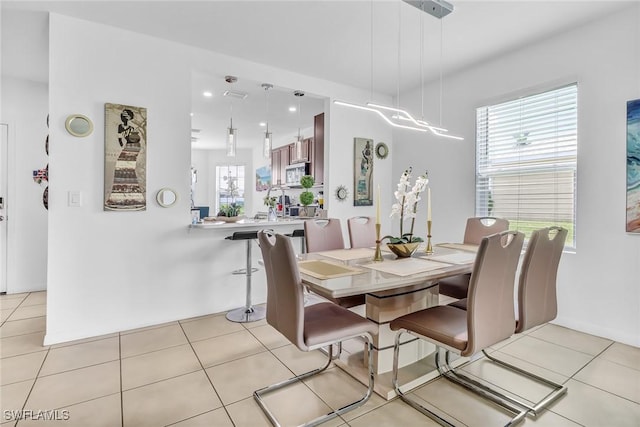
column 306, row 197
column 229, row 213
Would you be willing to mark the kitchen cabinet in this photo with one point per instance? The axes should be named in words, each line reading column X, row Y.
column 279, row 161
column 312, row 151
column 317, row 149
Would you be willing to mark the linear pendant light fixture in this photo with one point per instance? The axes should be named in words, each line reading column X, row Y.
column 398, row 117
column 268, row 137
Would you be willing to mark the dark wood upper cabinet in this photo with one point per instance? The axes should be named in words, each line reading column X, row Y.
column 312, row 151
column 317, row 155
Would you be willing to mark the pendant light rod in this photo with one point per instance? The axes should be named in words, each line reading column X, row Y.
column 232, row 140
column 268, row 136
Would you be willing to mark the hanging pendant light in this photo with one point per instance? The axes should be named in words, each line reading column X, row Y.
column 232, row 133
column 231, row 137
column 298, row 143
column 268, row 137
column 395, row 116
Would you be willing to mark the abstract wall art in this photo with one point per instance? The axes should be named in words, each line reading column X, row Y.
column 633, row 166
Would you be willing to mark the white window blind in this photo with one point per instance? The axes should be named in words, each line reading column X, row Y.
column 526, row 160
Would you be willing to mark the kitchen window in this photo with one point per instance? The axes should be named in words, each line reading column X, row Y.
column 230, row 186
column 526, row 152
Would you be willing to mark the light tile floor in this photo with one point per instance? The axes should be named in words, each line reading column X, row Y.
column 202, row 372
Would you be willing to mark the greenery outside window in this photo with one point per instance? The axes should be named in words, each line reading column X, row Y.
column 526, row 152
column 230, row 185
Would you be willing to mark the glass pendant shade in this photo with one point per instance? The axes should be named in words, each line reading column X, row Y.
column 231, row 141
column 267, row 145
column 298, row 146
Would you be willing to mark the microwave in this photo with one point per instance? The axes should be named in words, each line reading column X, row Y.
column 293, row 173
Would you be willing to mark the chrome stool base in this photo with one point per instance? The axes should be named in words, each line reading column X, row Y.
column 246, row 315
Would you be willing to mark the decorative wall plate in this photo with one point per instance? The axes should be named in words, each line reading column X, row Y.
column 382, row 151
column 342, row 193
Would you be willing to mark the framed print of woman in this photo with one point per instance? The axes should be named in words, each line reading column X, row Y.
column 125, row 158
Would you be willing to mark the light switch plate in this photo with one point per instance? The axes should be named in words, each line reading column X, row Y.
column 75, row 199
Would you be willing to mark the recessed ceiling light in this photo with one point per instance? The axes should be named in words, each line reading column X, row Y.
column 207, row 94
column 191, row 114
column 292, row 109
column 263, row 124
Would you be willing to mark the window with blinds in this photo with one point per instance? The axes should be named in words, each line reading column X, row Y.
column 526, row 153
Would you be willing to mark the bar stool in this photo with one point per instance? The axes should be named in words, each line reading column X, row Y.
column 248, row 313
column 299, row 233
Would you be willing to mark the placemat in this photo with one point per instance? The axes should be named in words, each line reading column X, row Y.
column 460, row 246
column 457, row 258
column 349, row 254
column 405, row 267
column 326, row 270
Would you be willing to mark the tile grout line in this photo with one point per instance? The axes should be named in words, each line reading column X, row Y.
column 570, row 348
column 294, row 374
column 24, row 405
column 121, row 392
column 592, row 359
column 208, row 378
column 607, row 391
column 14, row 310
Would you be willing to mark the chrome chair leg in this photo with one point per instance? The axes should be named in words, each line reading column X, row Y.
column 449, row 373
column 414, row 404
column 258, row 394
column 488, row 393
column 558, row 389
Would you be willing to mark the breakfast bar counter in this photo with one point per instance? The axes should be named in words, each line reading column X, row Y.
column 247, row 224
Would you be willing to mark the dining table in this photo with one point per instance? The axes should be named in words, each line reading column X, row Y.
column 392, row 287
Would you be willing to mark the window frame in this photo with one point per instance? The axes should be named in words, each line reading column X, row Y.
column 570, row 159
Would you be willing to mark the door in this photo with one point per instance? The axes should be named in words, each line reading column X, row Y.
column 4, row 165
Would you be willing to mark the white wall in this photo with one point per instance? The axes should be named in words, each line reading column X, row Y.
column 25, row 108
column 599, row 285
column 112, row 271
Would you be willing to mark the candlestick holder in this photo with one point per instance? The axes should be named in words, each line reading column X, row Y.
column 429, row 249
column 377, row 257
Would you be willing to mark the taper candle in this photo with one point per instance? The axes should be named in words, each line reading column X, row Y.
column 378, row 206
column 429, row 204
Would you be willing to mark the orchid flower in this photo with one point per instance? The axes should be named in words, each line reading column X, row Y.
column 408, row 197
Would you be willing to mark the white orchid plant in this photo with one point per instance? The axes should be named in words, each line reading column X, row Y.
column 407, row 197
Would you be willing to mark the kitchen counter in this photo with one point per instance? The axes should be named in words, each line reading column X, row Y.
column 247, row 223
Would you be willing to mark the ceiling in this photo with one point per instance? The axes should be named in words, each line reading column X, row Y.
column 331, row 40
column 211, row 115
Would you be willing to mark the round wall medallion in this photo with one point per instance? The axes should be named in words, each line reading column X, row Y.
column 342, row 193
column 382, row 151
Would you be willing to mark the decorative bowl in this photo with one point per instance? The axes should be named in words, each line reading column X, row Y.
column 403, row 250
